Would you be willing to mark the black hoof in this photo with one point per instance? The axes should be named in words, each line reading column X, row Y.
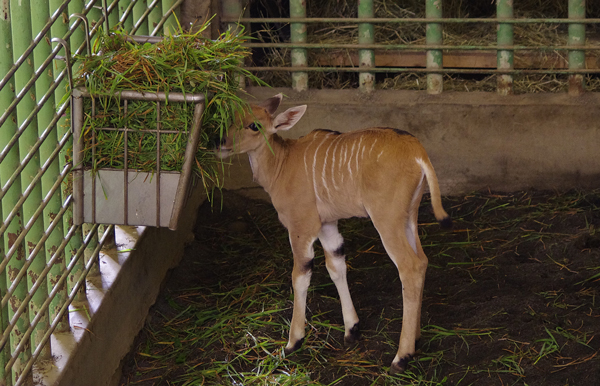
column 296, row 347
column 400, row 366
column 354, row 335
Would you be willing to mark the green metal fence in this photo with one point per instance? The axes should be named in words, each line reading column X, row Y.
column 574, row 50
column 45, row 258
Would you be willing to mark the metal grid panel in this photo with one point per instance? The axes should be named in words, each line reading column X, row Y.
column 45, row 257
column 434, row 47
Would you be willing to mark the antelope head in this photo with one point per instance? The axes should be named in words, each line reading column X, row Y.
column 253, row 129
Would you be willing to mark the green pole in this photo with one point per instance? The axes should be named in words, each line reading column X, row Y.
column 154, row 16
column 170, row 26
column 138, row 12
column 45, row 116
column 126, row 19
column 113, row 17
column 7, row 167
column 433, row 9
column 233, row 9
column 59, row 29
column 505, row 58
column 366, row 35
column 576, row 38
column 299, row 55
column 21, row 34
column 64, row 127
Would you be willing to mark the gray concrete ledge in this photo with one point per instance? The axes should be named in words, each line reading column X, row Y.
column 475, row 140
column 119, row 300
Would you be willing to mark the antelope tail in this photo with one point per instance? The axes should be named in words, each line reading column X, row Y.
column 434, row 189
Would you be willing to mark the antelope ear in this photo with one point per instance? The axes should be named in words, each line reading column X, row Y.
column 272, row 104
column 288, row 118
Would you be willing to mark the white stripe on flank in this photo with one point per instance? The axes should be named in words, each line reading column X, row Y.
column 345, row 158
column 333, row 174
column 372, row 146
column 324, row 174
column 350, row 158
column 359, row 142
column 305, row 154
column 314, row 167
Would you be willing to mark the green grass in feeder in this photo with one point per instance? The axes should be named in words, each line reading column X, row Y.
column 186, row 63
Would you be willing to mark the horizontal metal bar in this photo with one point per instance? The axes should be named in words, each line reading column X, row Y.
column 145, row 96
column 424, row 70
column 404, row 20
column 152, row 131
column 420, row 47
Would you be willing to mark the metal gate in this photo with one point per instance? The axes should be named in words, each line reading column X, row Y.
column 45, row 258
column 425, row 56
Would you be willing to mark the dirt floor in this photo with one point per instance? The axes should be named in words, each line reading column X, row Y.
column 510, row 299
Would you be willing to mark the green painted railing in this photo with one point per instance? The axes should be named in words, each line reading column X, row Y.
column 45, row 258
column 434, row 46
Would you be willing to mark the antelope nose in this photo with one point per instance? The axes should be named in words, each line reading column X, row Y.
column 216, row 142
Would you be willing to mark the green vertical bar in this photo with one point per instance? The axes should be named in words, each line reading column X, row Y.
column 26, row 142
column 170, row 27
column 127, row 23
column 433, row 9
column 39, row 17
column 46, row 115
column 21, row 34
column 78, row 37
column 366, row 35
column 154, row 16
column 7, row 168
column 299, row 55
column 138, row 10
column 505, row 58
column 576, row 38
column 64, row 127
column 59, row 29
column 95, row 13
column 233, row 9
column 113, row 17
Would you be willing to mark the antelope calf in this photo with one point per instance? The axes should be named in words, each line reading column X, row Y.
column 325, row 176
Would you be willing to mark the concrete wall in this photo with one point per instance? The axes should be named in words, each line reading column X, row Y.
column 475, row 140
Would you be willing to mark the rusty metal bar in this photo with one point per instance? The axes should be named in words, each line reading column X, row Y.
column 385, row 20
column 576, row 39
column 366, row 35
column 505, row 58
column 435, row 84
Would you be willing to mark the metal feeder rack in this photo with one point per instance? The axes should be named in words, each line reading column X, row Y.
column 128, row 196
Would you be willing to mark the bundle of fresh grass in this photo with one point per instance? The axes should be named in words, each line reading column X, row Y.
column 186, row 63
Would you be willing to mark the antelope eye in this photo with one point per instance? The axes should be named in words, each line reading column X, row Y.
column 253, row 126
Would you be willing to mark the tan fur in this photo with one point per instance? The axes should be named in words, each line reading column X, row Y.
column 325, row 176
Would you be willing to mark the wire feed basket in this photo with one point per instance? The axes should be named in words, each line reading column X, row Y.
column 130, row 196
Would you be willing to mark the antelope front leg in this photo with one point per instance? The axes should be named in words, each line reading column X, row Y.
column 335, row 260
column 302, row 248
